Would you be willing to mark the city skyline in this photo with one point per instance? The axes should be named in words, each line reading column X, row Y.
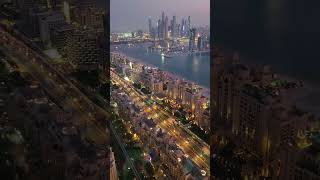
column 157, row 97
column 135, row 19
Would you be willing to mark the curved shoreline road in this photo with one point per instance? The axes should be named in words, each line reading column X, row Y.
column 198, row 151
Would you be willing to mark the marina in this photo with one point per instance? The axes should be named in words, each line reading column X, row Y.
column 191, row 67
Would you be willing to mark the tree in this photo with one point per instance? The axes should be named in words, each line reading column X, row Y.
column 149, row 169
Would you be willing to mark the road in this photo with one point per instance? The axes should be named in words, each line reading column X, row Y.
column 57, row 86
column 125, row 153
column 195, row 148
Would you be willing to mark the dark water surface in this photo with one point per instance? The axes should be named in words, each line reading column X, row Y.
column 193, row 68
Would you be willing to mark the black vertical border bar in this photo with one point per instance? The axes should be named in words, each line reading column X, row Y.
column 212, row 131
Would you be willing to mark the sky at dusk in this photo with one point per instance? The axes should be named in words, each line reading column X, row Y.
column 131, row 15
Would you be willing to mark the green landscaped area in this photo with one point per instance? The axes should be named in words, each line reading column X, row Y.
column 137, row 85
column 200, row 133
column 181, row 117
column 140, row 87
column 145, row 90
column 149, row 102
column 134, row 153
column 89, row 78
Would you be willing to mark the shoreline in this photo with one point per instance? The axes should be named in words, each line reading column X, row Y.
column 205, row 90
column 141, row 53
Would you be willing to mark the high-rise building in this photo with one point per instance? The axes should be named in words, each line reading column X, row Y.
column 89, row 15
column 165, row 28
column 59, row 36
column 191, row 95
column 199, row 43
column 202, row 118
column 25, row 5
column 162, row 16
column 267, row 121
column 183, row 28
column 66, row 11
column 30, row 21
column 47, row 21
column 174, row 28
column 189, row 26
column 83, row 49
column 192, row 39
column 257, row 114
column 54, row 4
column 159, row 29
column 162, row 25
column 150, row 27
column 172, row 90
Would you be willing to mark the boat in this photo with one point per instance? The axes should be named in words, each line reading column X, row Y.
column 165, row 55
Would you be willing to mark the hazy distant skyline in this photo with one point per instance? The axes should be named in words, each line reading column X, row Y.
column 131, row 15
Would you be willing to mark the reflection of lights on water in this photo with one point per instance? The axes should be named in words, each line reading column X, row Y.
column 195, row 64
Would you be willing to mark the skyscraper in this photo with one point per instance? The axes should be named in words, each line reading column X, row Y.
column 162, row 25
column 192, row 37
column 47, row 21
column 173, row 31
column 189, row 26
column 83, row 49
column 162, row 16
column 199, row 45
column 159, row 29
column 150, row 27
column 165, row 27
column 183, row 26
